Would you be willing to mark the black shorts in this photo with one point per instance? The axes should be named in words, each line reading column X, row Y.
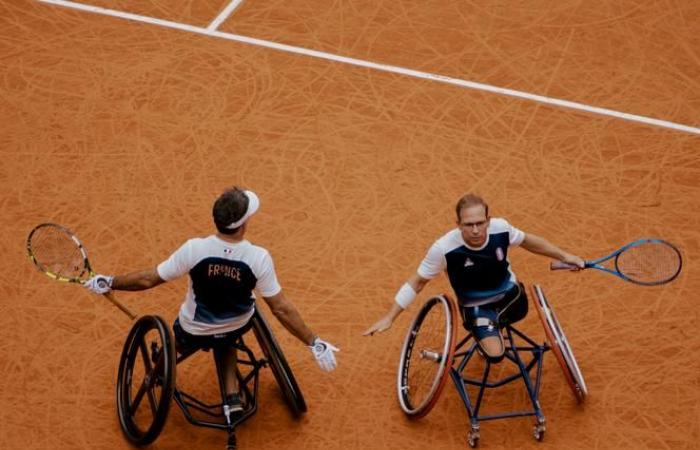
column 185, row 341
column 510, row 309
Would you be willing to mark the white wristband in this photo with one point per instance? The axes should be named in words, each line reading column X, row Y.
column 405, row 296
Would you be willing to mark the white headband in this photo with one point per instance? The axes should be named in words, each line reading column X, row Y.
column 253, row 205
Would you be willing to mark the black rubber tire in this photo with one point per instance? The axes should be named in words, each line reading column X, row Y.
column 156, row 386
column 278, row 363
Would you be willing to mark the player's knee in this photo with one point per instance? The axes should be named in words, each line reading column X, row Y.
column 493, row 347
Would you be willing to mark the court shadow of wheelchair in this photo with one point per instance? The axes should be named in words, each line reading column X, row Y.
column 146, row 382
column 489, row 387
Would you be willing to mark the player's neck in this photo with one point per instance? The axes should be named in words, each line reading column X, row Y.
column 233, row 238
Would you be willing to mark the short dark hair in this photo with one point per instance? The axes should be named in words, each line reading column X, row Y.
column 470, row 200
column 228, row 208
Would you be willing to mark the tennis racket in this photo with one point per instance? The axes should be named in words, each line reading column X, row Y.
column 648, row 262
column 57, row 252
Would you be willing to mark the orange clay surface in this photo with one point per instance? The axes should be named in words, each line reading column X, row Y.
column 126, row 132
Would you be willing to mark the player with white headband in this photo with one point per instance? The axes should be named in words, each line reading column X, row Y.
column 224, row 269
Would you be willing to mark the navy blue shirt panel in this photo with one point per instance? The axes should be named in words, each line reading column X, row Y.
column 222, row 289
column 476, row 274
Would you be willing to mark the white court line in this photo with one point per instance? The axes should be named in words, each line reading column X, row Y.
column 377, row 66
column 224, row 15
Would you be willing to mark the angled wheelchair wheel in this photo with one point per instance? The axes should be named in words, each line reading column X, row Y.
column 146, row 380
column 560, row 345
column 427, row 355
column 278, row 363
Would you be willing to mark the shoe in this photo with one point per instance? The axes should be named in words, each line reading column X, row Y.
column 233, row 401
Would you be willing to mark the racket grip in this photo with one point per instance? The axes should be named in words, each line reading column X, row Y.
column 559, row 265
column 110, row 296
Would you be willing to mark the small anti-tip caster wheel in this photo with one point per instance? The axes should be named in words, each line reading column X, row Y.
column 231, row 444
column 473, row 437
column 538, row 432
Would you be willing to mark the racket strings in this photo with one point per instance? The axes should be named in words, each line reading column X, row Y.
column 650, row 262
column 56, row 252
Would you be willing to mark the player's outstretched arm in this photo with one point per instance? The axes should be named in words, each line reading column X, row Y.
column 542, row 246
column 134, row 281
column 404, row 297
column 289, row 317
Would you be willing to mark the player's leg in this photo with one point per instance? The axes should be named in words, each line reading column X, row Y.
column 513, row 307
column 482, row 321
column 485, row 321
column 226, row 358
column 185, row 343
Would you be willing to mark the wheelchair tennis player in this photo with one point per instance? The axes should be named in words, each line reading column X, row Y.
column 224, row 269
column 475, row 256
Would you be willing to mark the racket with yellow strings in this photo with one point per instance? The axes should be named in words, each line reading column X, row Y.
column 57, row 252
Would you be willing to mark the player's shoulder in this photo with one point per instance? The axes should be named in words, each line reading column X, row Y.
column 450, row 240
column 253, row 251
column 499, row 225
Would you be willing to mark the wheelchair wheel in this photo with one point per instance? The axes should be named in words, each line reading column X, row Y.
column 560, row 346
column 146, row 380
column 278, row 363
column 427, row 355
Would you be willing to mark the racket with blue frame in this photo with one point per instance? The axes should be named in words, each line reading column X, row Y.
column 648, row 262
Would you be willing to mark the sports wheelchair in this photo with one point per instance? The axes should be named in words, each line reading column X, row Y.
column 431, row 354
column 146, row 381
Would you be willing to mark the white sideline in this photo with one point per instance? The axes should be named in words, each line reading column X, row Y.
column 377, row 66
column 224, row 15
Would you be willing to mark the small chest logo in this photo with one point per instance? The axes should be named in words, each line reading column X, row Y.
column 499, row 253
column 468, row 263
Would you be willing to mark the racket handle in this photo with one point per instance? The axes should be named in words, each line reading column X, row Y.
column 559, row 265
column 110, row 296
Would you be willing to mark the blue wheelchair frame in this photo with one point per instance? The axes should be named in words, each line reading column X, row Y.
column 513, row 350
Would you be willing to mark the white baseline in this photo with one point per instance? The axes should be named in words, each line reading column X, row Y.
column 371, row 65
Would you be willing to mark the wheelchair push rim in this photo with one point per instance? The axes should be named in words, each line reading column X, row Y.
column 427, row 356
column 146, row 380
column 278, row 364
column 560, row 345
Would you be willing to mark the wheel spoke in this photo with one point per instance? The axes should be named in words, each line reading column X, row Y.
column 426, row 356
column 148, row 377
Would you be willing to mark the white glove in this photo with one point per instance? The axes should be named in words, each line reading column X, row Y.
column 323, row 352
column 99, row 284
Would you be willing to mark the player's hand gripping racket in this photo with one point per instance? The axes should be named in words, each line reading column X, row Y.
column 645, row 261
column 57, row 252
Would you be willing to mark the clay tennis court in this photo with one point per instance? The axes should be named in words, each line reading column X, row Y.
column 126, row 128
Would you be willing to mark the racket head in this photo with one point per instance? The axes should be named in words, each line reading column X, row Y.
column 649, row 262
column 57, row 252
column 427, row 356
column 560, row 345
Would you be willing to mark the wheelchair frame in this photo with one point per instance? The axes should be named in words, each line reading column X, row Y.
column 512, row 354
column 159, row 377
column 453, row 360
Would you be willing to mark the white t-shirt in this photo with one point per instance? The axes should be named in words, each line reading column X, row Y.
column 475, row 274
column 223, row 275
